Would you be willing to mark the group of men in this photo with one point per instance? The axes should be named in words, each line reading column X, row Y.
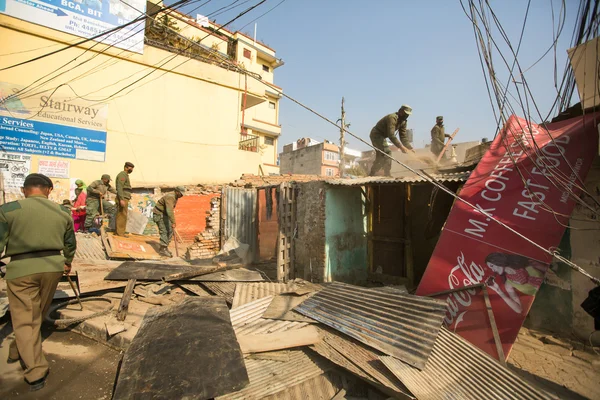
column 387, row 127
column 96, row 202
column 38, row 236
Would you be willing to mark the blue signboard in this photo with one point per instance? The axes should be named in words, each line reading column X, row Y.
column 85, row 18
column 48, row 139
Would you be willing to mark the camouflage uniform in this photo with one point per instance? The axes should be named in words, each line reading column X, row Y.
column 385, row 129
column 438, row 137
column 92, row 203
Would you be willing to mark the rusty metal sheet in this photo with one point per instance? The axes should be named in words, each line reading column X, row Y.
column 400, row 325
column 144, row 271
column 222, row 289
column 89, row 247
column 322, row 387
column 240, row 217
column 247, row 319
column 457, row 369
column 195, row 288
column 281, row 308
column 268, row 378
column 248, row 292
column 360, row 360
column 137, row 247
column 232, row 275
column 162, row 360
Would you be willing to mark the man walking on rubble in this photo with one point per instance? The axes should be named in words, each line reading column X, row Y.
column 95, row 194
column 438, row 136
column 33, row 232
column 123, row 197
column 385, row 129
column 164, row 216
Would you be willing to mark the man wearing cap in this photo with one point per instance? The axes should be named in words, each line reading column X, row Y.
column 164, row 216
column 123, row 197
column 385, row 129
column 33, row 232
column 438, row 135
column 96, row 192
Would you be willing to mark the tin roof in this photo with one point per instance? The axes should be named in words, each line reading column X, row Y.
column 401, row 325
column 89, row 247
column 457, row 367
column 248, row 292
column 247, row 319
column 223, row 289
column 270, row 377
column 382, row 180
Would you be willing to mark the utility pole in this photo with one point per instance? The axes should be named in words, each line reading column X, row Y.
column 342, row 140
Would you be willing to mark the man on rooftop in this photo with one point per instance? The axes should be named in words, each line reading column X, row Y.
column 386, row 129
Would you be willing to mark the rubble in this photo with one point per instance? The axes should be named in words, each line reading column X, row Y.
column 207, row 244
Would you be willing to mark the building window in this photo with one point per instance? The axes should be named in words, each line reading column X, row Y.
column 329, row 172
column 266, row 68
column 271, row 105
column 269, row 141
column 331, row 156
column 247, row 54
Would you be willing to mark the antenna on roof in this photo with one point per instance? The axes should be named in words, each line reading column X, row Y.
column 255, row 26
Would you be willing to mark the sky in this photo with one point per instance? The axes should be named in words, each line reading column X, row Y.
column 380, row 54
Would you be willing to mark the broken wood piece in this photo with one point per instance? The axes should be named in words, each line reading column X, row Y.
column 281, row 340
column 340, row 395
column 281, row 308
column 156, row 300
column 124, row 305
column 181, row 276
column 112, row 329
column 281, row 356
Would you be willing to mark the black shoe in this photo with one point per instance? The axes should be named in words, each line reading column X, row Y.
column 39, row 384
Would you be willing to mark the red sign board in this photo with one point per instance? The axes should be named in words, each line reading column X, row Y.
column 529, row 179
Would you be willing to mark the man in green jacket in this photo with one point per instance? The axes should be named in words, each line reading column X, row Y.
column 96, row 192
column 123, row 197
column 164, row 216
column 33, row 232
column 386, row 129
column 438, row 136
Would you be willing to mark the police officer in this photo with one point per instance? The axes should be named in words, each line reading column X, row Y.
column 96, row 192
column 123, row 197
column 33, row 232
column 164, row 216
column 438, row 136
column 385, row 129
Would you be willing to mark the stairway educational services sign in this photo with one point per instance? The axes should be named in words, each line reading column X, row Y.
column 85, row 18
column 46, row 125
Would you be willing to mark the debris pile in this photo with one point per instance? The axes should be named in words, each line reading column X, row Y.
column 251, row 180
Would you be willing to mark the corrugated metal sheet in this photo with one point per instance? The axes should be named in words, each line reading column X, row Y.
column 360, row 360
column 195, row 288
column 271, row 377
column 240, row 217
column 381, row 180
column 457, row 369
column 248, row 292
column 89, row 247
column 400, row 325
column 247, row 319
column 322, row 387
column 223, row 289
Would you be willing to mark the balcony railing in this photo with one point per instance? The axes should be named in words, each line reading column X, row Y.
column 248, row 142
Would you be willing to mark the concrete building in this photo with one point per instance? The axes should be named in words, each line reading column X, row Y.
column 310, row 158
column 183, row 113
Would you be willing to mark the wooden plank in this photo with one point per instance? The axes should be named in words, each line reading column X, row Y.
column 281, row 308
column 124, row 305
column 446, row 146
column 280, row 340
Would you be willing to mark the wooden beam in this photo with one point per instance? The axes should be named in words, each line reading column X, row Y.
column 280, row 340
column 124, row 305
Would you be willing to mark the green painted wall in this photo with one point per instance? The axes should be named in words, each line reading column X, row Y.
column 345, row 235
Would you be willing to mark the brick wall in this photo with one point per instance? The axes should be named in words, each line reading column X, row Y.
column 251, row 180
column 207, row 243
column 310, row 240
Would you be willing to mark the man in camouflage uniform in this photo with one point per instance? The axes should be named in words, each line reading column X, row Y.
column 164, row 216
column 385, row 129
column 123, row 197
column 33, row 232
column 438, row 136
column 96, row 192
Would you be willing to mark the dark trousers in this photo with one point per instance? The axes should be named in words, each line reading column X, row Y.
column 381, row 161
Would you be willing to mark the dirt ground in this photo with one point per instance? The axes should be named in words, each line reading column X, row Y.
column 80, row 368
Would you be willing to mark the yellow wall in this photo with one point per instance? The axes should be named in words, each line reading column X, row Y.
column 178, row 128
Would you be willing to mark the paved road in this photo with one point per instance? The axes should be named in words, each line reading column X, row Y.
column 80, row 368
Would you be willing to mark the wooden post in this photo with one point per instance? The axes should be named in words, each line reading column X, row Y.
column 124, row 305
column 342, row 140
column 285, row 243
column 446, row 146
column 408, row 254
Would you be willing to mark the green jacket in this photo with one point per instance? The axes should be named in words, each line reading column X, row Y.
column 36, row 224
column 167, row 205
column 98, row 188
column 438, row 137
column 123, row 186
column 386, row 128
